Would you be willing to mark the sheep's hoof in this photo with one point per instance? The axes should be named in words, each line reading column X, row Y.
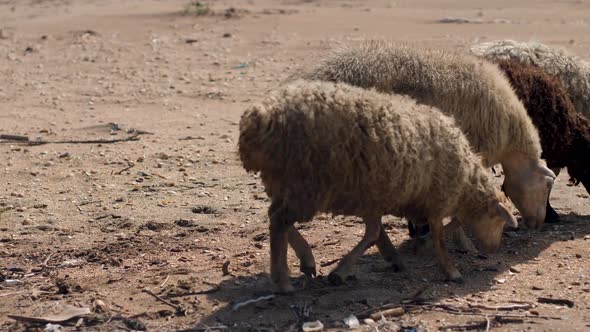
column 422, row 244
column 465, row 246
column 284, row 288
column 459, row 280
column 551, row 216
column 398, row 267
column 456, row 277
column 336, row 279
column 309, row 271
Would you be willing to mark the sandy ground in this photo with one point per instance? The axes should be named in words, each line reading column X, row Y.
column 93, row 225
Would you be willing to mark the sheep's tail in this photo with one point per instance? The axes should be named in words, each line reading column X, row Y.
column 255, row 127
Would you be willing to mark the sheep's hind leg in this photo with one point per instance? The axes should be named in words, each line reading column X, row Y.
column 303, row 252
column 372, row 230
column 388, row 251
column 280, row 221
column 440, row 250
column 421, row 235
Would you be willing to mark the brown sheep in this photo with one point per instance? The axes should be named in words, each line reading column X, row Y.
column 565, row 133
column 474, row 92
column 334, row 148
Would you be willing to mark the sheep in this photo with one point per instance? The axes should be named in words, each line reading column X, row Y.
column 565, row 133
column 572, row 71
column 334, row 148
column 471, row 90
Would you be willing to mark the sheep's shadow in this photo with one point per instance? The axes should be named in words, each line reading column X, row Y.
column 376, row 283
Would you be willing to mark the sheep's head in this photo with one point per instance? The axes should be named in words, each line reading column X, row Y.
column 528, row 185
column 488, row 229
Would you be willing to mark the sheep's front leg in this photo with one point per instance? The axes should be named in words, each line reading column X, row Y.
column 372, row 230
column 279, row 271
column 459, row 237
column 388, row 251
column 303, row 252
column 440, row 250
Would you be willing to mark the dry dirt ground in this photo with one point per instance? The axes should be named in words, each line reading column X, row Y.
column 93, row 225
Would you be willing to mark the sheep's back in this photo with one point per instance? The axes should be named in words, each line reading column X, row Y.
column 355, row 151
column 549, row 107
column 473, row 92
column 572, row 71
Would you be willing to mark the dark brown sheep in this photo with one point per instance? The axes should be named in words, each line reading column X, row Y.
column 565, row 133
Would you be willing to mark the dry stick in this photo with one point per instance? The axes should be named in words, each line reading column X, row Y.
column 125, row 169
column 467, row 327
column 394, row 312
column 96, row 141
column 13, row 293
column 331, row 262
column 178, row 308
column 496, row 308
column 229, row 121
column 488, row 324
column 549, row 300
column 405, row 299
column 481, row 325
column 89, row 202
column 412, row 296
column 205, row 329
column 47, row 259
column 369, row 312
column 14, row 137
column 497, row 315
column 216, row 288
column 449, row 309
column 165, row 281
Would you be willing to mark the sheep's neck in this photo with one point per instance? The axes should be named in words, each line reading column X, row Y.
column 514, row 163
column 473, row 203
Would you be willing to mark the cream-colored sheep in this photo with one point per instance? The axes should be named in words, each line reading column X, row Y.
column 471, row 90
column 571, row 70
column 334, row 148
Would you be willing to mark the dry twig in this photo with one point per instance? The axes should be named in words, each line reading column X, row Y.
column 165, row 281
column 159, row 298
column 26, row 141
column 130, row 166
column 215, row 288
column 549, row 300
column 330, row 262
column 14, row 137
column 500, row 308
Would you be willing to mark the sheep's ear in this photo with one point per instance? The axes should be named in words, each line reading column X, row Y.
column 505, row 214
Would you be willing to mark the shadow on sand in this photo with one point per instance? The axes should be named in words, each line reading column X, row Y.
column 376, row 284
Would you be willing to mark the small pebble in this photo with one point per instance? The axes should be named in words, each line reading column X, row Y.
column 514, row 270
